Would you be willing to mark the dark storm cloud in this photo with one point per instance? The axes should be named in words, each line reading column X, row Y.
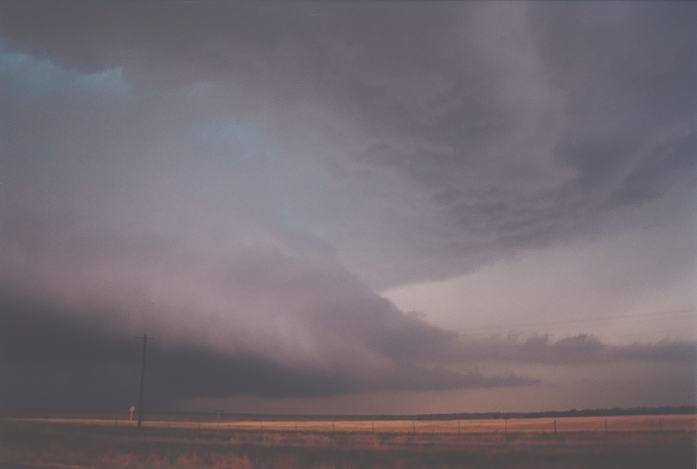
column 533, row 119
column 261, row 320
column 629, row 79
column 237, row 178
column 56, row 361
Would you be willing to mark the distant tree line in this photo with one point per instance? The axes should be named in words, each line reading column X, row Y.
column 667, row 410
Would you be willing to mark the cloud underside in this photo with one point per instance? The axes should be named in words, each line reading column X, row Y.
column 239, row 180
column 419, row 141
column 59, row 361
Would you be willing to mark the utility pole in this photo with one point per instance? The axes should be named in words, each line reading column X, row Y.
column 142, row 381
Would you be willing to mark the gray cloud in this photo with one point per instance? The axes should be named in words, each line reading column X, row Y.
column 575, row 349
column 239, row 178
column 59, row 361
column 245, row 317
column 529, row 130
column 249, row 322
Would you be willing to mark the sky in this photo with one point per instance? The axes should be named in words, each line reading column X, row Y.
column 348, row 207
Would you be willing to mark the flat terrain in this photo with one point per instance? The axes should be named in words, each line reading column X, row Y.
column 622, row 423
column 666, row 441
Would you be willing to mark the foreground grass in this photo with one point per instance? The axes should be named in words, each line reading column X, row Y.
column 74, row 445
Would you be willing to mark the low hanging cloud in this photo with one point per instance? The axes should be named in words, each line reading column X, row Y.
column 243, row 317
column 577, row 349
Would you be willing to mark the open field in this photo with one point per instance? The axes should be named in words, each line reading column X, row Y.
column 666, row 441
column 622, row 423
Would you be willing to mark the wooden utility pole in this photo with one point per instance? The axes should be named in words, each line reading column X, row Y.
column 142, row 381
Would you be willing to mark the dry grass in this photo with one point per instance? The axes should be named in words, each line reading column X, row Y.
column 630, row 441
column 622, row 423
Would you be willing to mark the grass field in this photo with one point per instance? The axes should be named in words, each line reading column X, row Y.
column 622, row 423
column 666, row 441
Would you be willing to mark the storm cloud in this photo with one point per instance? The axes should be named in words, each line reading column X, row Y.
column 242, row 180
column 256, row 319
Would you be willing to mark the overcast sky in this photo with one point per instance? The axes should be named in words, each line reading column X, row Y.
column 348, row 206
